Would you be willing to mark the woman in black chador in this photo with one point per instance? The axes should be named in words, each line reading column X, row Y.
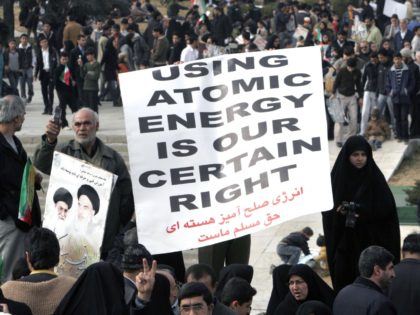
column 364, row 212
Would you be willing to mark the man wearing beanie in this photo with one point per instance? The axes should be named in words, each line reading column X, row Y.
column 132, row 264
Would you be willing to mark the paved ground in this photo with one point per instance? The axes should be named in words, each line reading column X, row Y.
column 263, row 243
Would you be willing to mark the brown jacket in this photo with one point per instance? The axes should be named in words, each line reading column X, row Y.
column 70, row 32
column 42, row 297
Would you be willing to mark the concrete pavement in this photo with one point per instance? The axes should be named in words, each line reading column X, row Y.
column 263, row 249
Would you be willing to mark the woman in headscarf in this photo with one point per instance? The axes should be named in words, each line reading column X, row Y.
column 234, row 270
column 313, row 308
column 364, row 212
column 304, row 285
column 98, row 291
column 280, row 287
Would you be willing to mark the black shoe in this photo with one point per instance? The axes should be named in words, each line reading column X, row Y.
column 339, row 144
column 29, row 99
column 45, row 112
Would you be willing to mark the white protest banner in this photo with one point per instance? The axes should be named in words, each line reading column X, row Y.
column 75, row 209
column 226, row 146
column 392, row 7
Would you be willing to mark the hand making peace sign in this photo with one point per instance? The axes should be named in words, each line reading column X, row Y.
column 145, row 281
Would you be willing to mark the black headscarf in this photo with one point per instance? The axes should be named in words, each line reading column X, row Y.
column 98, row 291
column 377, row 223
column 280, row 287
column 313, row 308
column 234, row 270
column 318, row 290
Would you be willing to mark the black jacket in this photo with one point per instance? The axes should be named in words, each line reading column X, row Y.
column 12, row 165
column 221, row 28
column 25, row 56
column 348, row 83
column 370, row 77
column 383, row 69
column 363, row 297
column 405, row 287
column 73, row 65
column 53, row 60
column 297, row 239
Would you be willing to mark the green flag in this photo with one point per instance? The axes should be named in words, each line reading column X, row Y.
column 27, row 192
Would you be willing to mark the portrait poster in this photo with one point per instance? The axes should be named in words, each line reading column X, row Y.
column 76, row 209
column 226, row 146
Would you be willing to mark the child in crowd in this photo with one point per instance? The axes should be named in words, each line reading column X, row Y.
column 90, row 72
column 377, row 130
column 65, row 83
column 321, row 259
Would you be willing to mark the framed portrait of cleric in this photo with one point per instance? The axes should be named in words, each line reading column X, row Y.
column 76, row 209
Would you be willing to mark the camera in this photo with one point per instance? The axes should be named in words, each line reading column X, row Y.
column 351, row 214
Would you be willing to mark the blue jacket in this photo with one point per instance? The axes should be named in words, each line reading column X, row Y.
column 400, row 94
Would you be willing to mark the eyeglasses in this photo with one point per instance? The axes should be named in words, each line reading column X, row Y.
column 187, row 308
column 296, row 282
column 80, row 123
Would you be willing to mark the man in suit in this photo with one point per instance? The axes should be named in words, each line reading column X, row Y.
column 77, row 53
column 403, row 35
column 46, row 63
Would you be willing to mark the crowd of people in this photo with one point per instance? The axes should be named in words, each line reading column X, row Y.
column 371, row 67
column 370, row 61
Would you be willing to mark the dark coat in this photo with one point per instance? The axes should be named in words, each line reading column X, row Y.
column 74, row 67
column 25, row 56
column 12, row 165
column 98, row 291
column 370, row 77
column 363, row 297
column 401, row 93
column 382, row 78
column 130, row 291
column 174, row 53
column 53, row 60
column 377, row 223
column 159, row 300
column 243, row 271
column 297, row 239
column 221, row 28
column 280, row 287
column 399, row 40
column 110, row 60
column 141, row 51
column 405, row 287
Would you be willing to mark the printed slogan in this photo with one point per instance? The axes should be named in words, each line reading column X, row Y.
column 226, row 146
